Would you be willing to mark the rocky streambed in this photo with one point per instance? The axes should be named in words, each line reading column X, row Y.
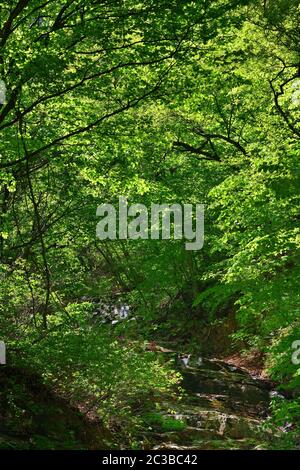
column 223, row 407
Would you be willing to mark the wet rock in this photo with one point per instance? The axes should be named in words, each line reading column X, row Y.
column 224, row 407
column 238, row 386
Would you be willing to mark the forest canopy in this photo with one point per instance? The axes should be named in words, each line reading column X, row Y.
column 175, row 102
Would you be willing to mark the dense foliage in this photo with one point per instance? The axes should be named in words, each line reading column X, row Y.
column 162, row 102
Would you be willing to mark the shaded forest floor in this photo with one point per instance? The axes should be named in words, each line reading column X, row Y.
column 35, row 417
column 222, row 407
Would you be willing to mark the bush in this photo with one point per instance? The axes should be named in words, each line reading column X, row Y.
column 107, row 376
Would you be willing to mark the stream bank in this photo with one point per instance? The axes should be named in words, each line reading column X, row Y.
column 223, row 407
column 32, row 416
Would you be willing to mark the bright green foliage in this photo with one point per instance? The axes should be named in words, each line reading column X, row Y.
column 160, row 101
column 112, row 378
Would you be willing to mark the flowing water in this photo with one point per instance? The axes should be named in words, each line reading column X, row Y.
column 223, row 407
